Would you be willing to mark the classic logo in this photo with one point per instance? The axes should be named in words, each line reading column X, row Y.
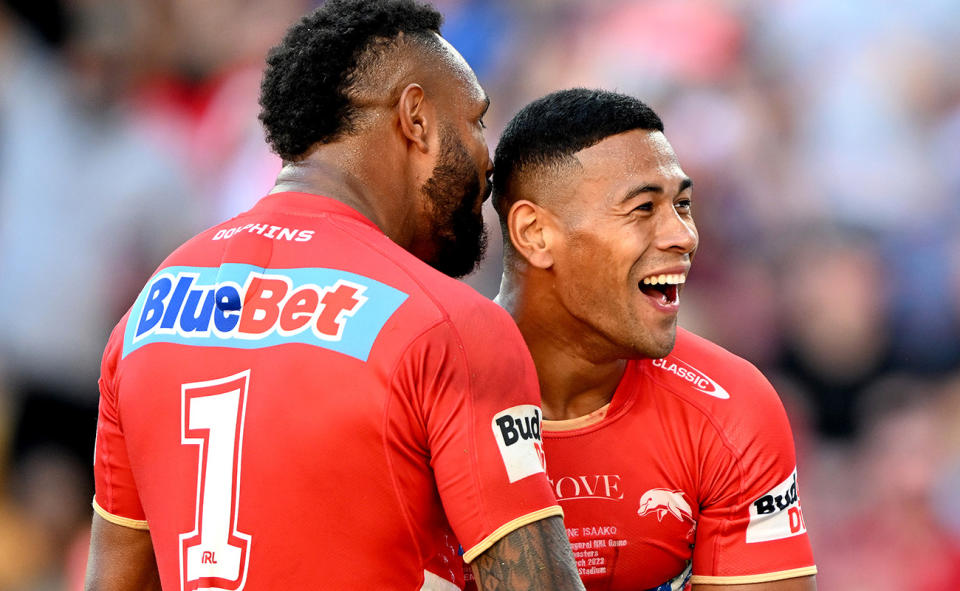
column 777, row 514
column 243, row 306
column 662, row 501
column 697, row 378
column 517, row 431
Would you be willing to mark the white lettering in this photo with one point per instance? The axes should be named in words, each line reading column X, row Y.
column 274, row 232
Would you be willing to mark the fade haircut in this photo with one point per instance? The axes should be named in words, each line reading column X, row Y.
column 305, row 96
column 550, row 130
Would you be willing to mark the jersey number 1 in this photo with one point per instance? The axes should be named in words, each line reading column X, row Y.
column 215, row 555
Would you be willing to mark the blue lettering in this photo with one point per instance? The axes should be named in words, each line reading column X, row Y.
column 227, row 314
column 153, row 307
column 196, row 318
column 176, row 301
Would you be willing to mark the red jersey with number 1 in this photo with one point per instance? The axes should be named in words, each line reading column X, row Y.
column 692, row 460
column 295, row 402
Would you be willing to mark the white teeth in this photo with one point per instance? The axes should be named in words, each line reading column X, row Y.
column 671, row 279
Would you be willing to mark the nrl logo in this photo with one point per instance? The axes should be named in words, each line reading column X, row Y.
column 662, row 501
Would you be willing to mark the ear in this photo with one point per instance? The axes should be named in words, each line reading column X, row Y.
column 532, row 232
column 415, row 116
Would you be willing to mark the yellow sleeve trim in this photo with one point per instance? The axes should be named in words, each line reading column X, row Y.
column 508, row 527
column 744, row 579
column 116, row 519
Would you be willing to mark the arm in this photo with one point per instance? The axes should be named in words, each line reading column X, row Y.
column 795, row 584
column 535, row 556
column 121, row 559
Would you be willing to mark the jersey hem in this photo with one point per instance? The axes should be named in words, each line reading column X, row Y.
column 508, row 527
column 118, row 520
column 762, row 578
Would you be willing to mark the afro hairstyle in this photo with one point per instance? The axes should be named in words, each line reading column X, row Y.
column 304, row 94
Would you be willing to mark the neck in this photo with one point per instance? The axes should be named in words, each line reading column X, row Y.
column 574, row 381
column 341, row 171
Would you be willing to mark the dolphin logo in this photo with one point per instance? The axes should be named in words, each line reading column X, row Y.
column 663, row 501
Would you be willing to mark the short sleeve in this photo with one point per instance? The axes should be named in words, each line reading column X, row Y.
column 115, row 498
column 751, row 527
column 482, row 418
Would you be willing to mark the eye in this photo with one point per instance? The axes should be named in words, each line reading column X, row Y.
column 645, row 207
column 684, row 205
column 482, row 124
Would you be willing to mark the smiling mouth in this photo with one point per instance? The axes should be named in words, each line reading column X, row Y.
column 663, row 288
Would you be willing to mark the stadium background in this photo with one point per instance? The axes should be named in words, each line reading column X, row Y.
column 823, row 136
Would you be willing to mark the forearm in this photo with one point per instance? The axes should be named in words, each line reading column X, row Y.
column 121, row 559
column 536, row 556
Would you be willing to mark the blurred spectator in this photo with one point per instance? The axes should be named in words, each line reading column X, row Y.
column 836, row 333
column 87, row 209
column 200, row 103
column 890, row 494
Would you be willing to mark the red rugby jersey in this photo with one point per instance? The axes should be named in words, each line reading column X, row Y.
column 295, row 402
column 692, row 460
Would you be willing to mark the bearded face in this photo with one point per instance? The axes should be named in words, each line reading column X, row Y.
column 455, row 193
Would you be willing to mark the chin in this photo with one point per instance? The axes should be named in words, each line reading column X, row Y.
column 659, row 345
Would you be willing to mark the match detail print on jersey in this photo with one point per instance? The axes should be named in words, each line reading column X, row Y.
column 247, row 307
column 215, row 555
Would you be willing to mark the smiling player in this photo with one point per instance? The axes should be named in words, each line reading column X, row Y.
column 672, row 458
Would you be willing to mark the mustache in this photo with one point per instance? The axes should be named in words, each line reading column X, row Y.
column 487, row 190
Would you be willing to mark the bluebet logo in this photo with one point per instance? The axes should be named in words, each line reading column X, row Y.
column 243, row 306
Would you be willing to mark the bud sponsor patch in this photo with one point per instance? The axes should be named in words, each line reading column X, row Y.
column 517, row 431
column 248, row 307
column 699, row 380
column 777, row 514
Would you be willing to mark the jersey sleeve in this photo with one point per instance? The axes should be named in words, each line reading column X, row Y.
column 482, row 419
column 115, row 498
column 751, row 527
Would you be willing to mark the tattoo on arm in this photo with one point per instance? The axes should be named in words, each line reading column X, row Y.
column 535, row 556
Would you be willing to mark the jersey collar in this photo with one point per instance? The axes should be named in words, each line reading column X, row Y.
column 310, row 204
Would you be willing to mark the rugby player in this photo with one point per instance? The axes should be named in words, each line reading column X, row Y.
column 299, row 398
column 672, row 458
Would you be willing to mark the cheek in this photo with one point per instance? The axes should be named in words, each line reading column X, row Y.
column 591, row 268
column 477, row 143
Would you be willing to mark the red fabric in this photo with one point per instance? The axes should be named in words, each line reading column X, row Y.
column 669, row 474
column 353, row 474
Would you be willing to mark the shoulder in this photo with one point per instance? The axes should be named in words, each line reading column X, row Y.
column 727, row 390
column 448, row 301
column 477, row 324
column 710, row 369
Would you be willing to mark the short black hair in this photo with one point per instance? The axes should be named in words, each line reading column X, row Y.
column 304, row 94
column 557, row 126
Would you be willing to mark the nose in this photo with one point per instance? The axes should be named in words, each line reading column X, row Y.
column 677, row 233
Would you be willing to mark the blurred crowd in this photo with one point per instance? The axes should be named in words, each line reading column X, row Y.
column 823, row 138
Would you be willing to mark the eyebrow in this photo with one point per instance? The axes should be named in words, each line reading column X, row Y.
column 685, row 184
column 486, row 104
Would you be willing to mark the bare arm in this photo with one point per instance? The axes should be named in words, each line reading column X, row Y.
column 535, row 556
column 795, row 584
column 121, row 559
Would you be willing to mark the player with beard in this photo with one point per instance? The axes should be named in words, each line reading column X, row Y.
column 297, row 400
column 672, row 458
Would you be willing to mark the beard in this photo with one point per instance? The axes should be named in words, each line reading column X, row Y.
column 456, row 222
